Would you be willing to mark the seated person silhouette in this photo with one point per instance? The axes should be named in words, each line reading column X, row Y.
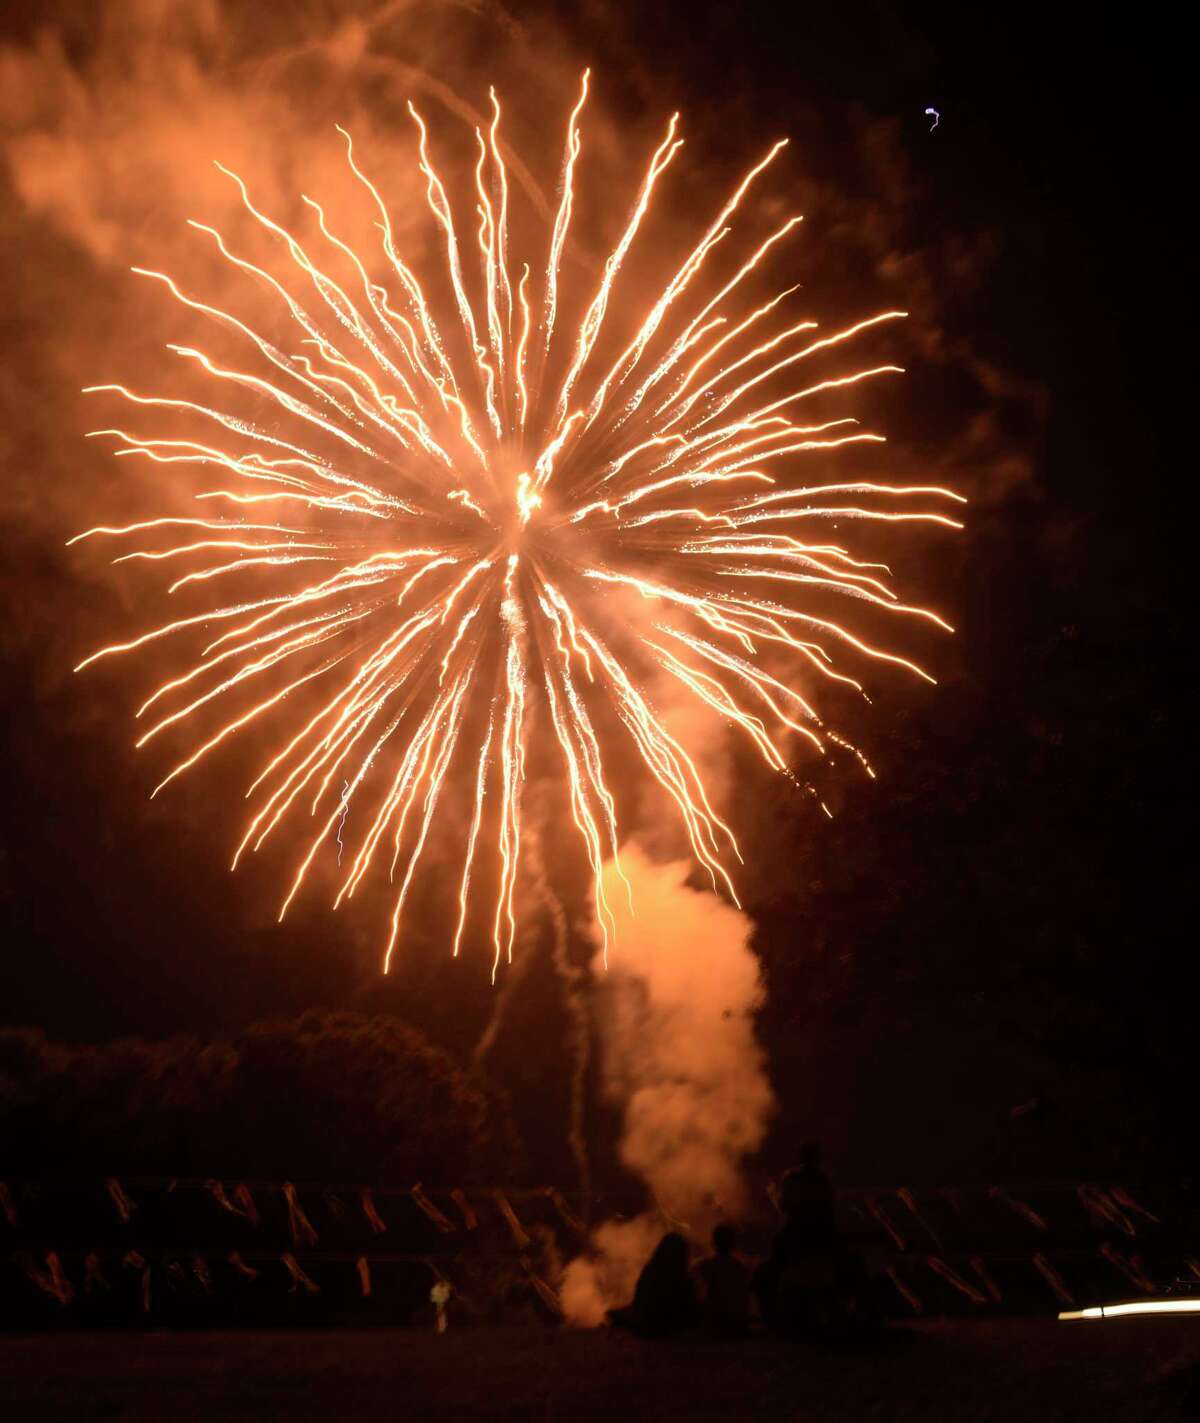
column 724, row 1281
column 664, row 1301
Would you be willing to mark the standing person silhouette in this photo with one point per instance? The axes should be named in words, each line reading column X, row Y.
column 802, row 1264
column 807, row 1201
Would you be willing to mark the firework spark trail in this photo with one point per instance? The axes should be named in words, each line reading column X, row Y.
column 573, row 979
column 439, row 521
column 341, row 848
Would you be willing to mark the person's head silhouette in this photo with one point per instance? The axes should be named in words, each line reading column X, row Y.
column 671, row 1253
column 724, row 1238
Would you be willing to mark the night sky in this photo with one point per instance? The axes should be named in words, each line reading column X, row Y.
column 997, row 923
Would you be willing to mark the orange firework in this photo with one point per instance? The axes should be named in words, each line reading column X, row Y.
column 451, row 532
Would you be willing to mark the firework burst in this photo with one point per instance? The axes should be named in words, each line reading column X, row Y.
column 449, row 507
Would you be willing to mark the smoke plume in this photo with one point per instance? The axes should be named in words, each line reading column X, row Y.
column 676, row 1029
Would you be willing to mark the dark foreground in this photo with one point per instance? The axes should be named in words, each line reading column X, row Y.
column 1022, row 1370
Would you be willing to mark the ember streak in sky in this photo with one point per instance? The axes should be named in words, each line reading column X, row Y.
column 465, row 531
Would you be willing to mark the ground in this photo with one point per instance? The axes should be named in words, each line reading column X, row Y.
column 1123, row 1371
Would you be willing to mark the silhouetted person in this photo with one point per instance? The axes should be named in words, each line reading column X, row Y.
column 807, row 1201
column 664, row 1301
column 725, row 1285
column 802, row 1267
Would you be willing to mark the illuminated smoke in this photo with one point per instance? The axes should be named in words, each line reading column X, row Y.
column 676, row 1028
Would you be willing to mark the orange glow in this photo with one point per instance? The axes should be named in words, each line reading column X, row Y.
column 454, row 525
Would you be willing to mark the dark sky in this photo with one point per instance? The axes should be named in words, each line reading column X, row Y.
column 997, row 921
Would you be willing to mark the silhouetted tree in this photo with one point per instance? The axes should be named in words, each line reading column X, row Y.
column 327, row 1096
